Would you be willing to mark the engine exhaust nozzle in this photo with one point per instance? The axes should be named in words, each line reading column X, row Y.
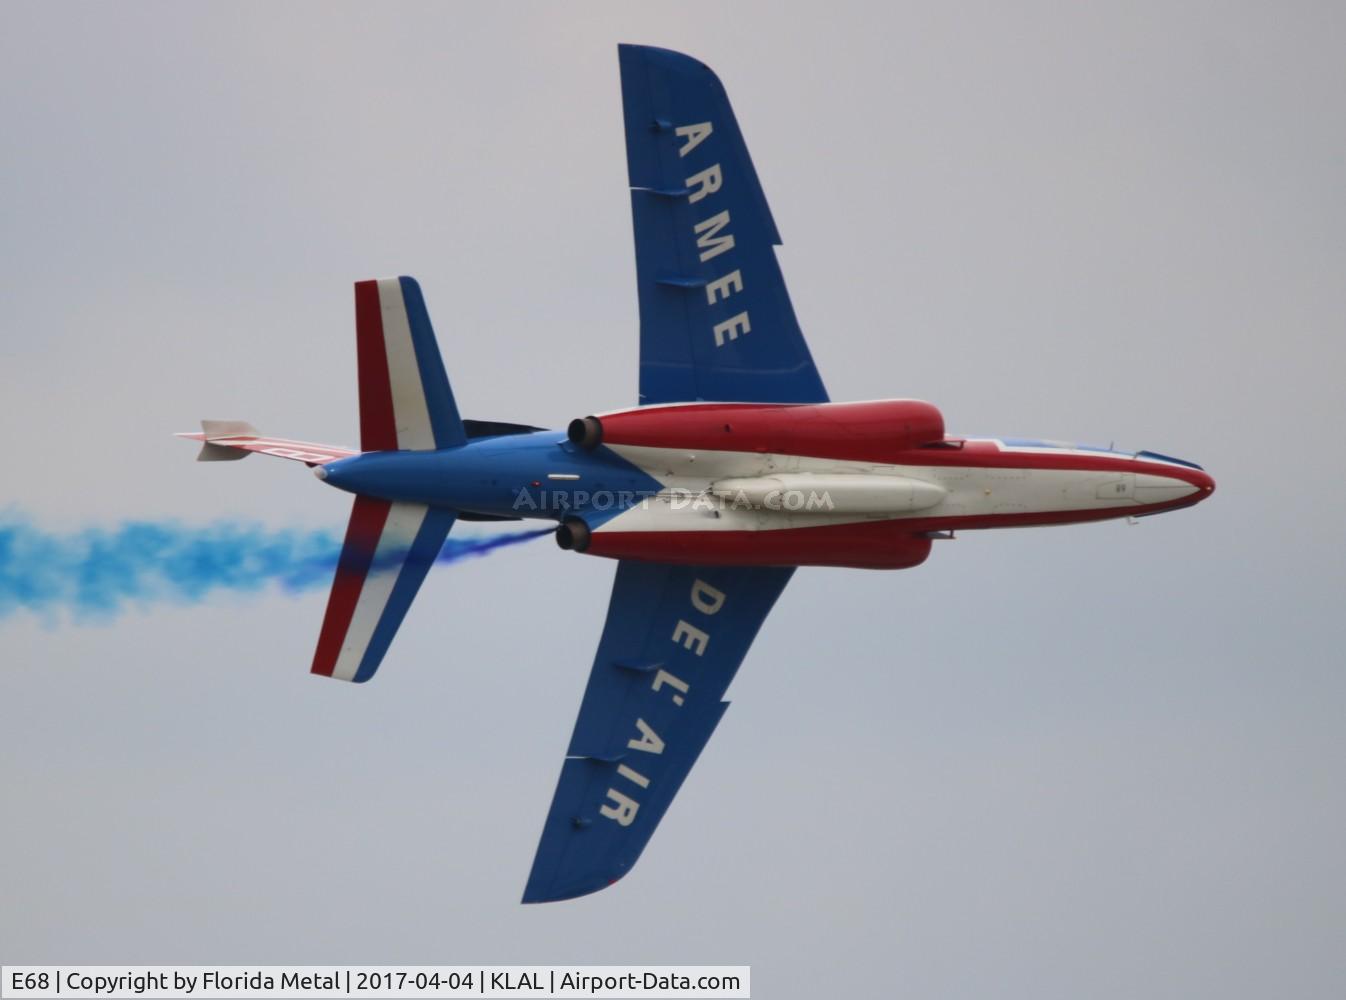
column 573, row 535
column 587, row 432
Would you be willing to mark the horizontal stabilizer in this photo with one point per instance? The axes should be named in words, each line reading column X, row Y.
column 405, row 400
column 388, row 550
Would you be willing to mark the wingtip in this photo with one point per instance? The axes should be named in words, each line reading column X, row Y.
column 631, row 49
column 534, row 893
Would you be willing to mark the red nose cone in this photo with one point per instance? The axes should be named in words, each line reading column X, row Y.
column 1204, row 483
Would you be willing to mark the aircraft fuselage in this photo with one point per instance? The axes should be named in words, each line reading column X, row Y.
column 850, row 484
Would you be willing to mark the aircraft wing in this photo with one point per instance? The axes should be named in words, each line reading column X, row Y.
column 715, row 319
column 675, row 635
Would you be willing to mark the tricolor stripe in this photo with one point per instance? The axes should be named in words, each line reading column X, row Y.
column 405, row 400
column 388, row 550
column 368, row 517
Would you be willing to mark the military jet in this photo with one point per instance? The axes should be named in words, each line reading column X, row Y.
column 734, row 469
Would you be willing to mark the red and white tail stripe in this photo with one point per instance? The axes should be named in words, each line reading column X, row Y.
column 405, row 401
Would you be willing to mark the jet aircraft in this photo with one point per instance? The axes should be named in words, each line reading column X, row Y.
column 734, row 469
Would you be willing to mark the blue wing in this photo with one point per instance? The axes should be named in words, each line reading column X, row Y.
column 675, row 636
column 715, row 319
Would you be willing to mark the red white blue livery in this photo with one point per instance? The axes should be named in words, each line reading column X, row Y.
column 733, row 470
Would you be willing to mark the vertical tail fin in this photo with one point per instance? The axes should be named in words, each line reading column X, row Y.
column 405, row 399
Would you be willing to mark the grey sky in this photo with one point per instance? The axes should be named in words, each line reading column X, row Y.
column 1101, row 761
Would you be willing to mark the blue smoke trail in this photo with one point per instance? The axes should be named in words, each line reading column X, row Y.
column 98, row 572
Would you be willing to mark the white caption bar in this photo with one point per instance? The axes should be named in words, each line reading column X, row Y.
column 139, row 982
